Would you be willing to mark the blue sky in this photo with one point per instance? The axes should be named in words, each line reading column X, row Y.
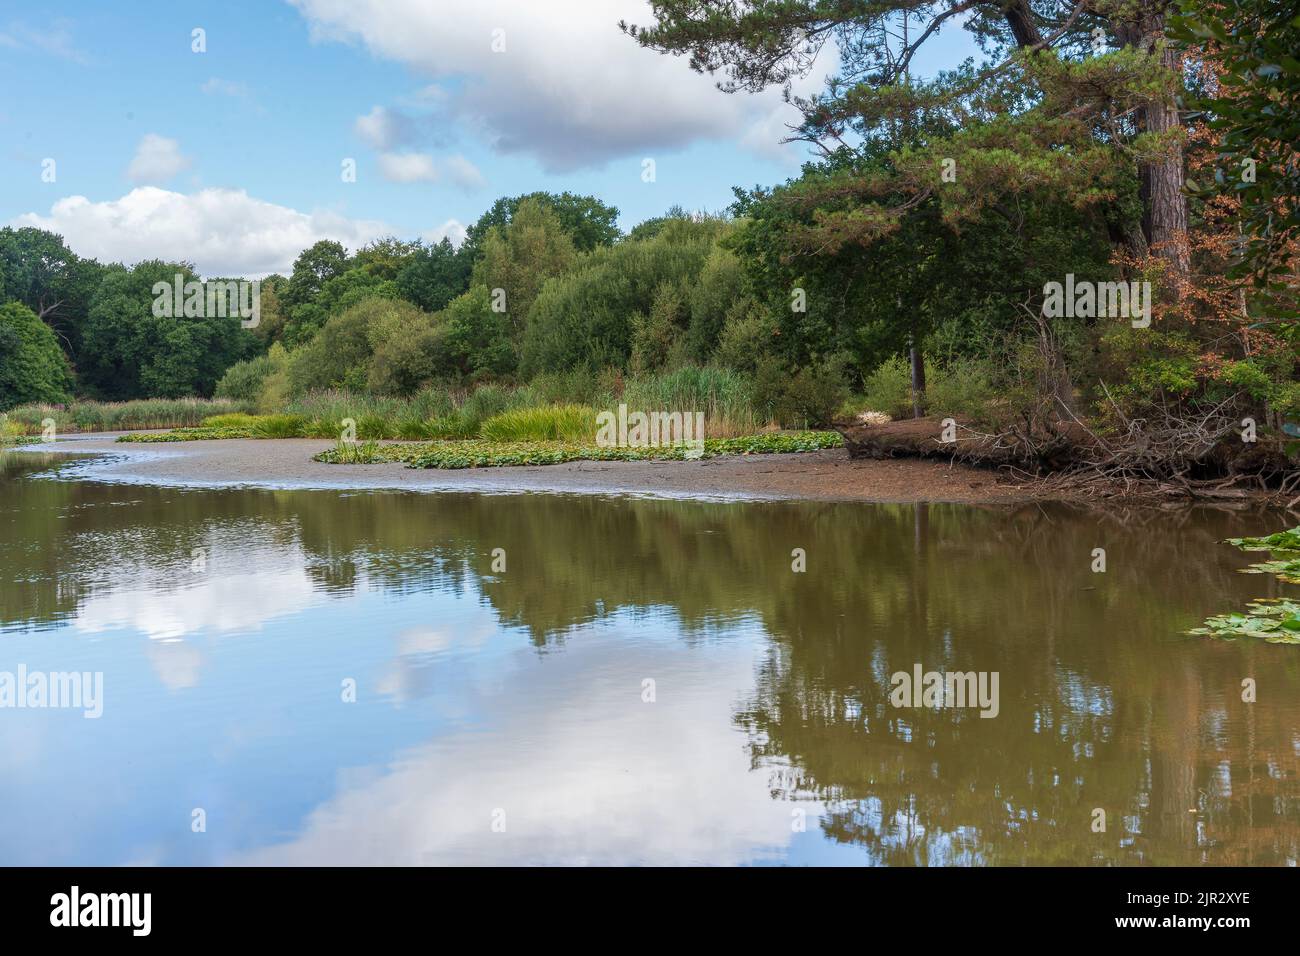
column 232, row 157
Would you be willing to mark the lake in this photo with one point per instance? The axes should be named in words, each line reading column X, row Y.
column 327, row 677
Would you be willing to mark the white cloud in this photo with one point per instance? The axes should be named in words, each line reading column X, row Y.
column 631, row 792
column 569, row 87
column 217, row 86
column 236, row 603
column 54, row 39
column 452, row 229
column 423, row 168
column 224, row 232
column 463, row 173
column 408, row 168
column 157, row 159
column 384, row 128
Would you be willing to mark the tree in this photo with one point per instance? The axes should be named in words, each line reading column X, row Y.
column 758, row 43
column 339, row 356
column 589, row 222
column 129, row 352
column 518, row 257
column 1254, row 104
column 385, row 257
column 38, row 269
column 314, row 267
column 434, row 275
column 585, row 317
column 32, row 366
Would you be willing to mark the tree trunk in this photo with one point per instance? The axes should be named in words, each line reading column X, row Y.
column 918, row 382
column 1164, row 203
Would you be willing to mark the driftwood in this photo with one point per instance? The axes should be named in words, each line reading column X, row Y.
column 1170, row 454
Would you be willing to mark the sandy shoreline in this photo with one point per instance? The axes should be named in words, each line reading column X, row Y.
column 286, row 463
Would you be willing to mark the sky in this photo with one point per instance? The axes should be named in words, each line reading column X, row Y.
column 135, row 137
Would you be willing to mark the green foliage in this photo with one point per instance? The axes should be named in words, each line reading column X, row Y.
column 404, row 363
column 723, row 395
column 888, row 389
column 128, row 351
column 32, row 366
column 279, row 426
column 230, row 420
column 246, row 381
column 339, row 356
column 118, row 416
column 963, row 387
column 487, row 454
column 434, row 275
column 1256, row 108
column 585, row 317
column 519, row 257
column 588, row 222
column 38, row 270
column 802, row 398
column 1276, row 620
column 480, row 343
column 311, row 270
column 657, row 337
column 355, row 453
column 1278, row 541
column 572, row 423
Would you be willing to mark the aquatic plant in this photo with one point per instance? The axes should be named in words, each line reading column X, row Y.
column 1279, row 541
column 1277, row 620
column 476, row 453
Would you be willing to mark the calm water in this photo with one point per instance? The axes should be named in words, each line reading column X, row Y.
column 229, row 625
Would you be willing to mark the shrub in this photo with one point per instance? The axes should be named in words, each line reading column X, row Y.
column 244, row 380
column 963, row 387
column 657, row 337
column 407, row 362
column 746, row 337
column 888, row 389
column 584, row 318
column 809, row 396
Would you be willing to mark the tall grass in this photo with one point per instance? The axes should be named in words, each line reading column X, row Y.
column 573, row 423
column 722, row 394
column 124, row 416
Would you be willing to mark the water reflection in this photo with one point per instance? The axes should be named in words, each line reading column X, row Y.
column 770, row 738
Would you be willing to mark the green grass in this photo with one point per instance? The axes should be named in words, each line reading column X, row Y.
column 281, row 426
column 124, row 416
column 229, row 420
column 569, row 423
